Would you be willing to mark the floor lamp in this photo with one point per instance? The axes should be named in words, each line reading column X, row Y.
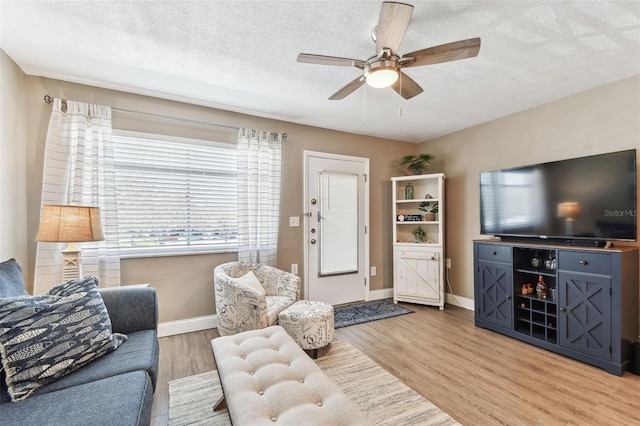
column 70, row 224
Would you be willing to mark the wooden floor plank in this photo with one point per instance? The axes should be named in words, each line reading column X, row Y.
column 477, row 376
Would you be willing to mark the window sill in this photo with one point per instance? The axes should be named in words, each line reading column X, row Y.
column 139, row 255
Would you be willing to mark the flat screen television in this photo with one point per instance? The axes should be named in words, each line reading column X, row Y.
column 582, row 201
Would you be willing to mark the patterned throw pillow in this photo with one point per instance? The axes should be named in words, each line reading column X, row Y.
column 43, row 338
column 249, row 279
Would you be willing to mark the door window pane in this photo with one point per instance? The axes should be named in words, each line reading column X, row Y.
column 338, row 223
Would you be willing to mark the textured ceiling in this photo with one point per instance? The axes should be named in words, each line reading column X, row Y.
column 241, row 55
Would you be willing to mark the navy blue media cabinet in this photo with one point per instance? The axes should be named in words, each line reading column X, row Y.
column 588, row 309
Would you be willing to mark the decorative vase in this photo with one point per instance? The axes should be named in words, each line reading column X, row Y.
column 408, row 192
column 430, row 217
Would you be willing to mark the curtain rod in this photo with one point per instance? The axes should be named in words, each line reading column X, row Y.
column 48, row 99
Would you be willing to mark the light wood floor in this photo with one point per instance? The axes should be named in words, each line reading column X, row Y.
column 477, row 376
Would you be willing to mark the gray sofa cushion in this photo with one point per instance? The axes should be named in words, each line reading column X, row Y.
column 11, row 280
column 138, row 352
column 124, row 399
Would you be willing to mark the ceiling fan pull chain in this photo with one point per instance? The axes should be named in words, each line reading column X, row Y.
column 364, row 107
column 400, row 108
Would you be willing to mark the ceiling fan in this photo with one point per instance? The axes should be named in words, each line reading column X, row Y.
column 384, row 69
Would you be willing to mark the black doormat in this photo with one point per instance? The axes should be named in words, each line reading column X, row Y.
column 359, row 313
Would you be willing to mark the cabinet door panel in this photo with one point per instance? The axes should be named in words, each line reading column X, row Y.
column 417, row 273
column 495, row 292
column 585, row 313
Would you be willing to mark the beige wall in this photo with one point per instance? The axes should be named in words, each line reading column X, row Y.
column 600, row 120
column 185, row 283
column 13, row 163
column 603, row 119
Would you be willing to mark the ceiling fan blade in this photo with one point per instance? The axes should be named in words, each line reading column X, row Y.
column 392, row 24
column 348, row 89
column 308, row 58
column 406, row 87
column 457, row 50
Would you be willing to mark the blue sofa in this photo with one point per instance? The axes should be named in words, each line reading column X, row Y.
column 115, row 389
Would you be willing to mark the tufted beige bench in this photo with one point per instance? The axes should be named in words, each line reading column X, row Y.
column 268, row 379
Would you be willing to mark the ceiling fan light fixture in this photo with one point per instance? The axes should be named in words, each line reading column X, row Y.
column 381, row 74
column 382, row 78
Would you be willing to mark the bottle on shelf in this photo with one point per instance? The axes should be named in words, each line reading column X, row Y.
column 541, row 288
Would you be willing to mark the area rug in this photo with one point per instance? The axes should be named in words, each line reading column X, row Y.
column 367, row 311
column 384, row 399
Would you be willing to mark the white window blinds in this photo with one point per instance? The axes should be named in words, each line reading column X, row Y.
column 175, row 195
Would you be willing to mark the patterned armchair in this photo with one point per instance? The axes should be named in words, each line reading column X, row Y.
column 241, row 307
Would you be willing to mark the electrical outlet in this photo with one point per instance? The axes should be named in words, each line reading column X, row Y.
column 448, row 263
column 294, row 268
column 294, row 221
column 373, row 271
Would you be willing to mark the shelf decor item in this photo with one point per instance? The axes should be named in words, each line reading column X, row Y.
column 550, row 263
column 410, row 218
column 419, row 234
column 417, row 164
column 408, row 192
column 430, row 211
column 541, row 288
column 536, row 261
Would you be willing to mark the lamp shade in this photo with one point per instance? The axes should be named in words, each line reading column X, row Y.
column 568, row 209
column 70, row 224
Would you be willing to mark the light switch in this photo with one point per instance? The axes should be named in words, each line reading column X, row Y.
column 294, row 221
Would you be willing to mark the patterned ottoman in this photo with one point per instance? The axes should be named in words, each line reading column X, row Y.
column 309, row 323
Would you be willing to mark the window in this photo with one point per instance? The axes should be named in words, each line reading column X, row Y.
column 175, row 195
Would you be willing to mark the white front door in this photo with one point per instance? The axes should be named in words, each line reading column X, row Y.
column 336, row 222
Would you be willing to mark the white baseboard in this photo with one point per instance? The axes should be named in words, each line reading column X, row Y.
column 190, row 325
column 463, row 302
column 385, row 293
column 460, row 301
column 187, row 325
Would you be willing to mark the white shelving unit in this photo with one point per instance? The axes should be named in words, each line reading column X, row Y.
column 418, row 267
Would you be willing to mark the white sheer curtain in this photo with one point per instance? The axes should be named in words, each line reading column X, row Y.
column 78, row 169
column 259, row 176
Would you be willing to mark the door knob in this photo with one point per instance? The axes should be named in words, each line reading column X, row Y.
column 313, row 241
column 562, row 309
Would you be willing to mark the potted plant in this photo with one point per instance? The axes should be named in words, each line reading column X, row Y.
column 430, row 211
column 419, row 234
column 417, row 164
